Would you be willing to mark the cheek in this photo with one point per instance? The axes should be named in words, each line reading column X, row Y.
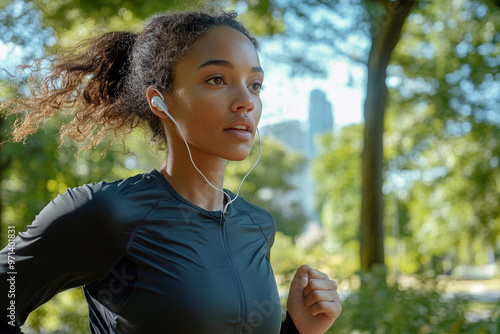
column 197, row 108
column 205, row 119
column 207, row 112
column 205, row 101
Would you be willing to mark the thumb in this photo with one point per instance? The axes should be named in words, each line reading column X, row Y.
column 304, row 280
column 302, row 275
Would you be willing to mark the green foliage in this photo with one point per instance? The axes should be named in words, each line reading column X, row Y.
column 414, row 305
column 263, row 17
column 285, row 256
column 20, row 27
column 338, row 177
column 72, row 20
column 64, row 314
column 443, row 150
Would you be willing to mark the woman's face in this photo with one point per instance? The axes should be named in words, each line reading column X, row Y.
column 215, row 96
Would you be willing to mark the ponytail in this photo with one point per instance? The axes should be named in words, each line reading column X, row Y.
column 107, row 63
column 88, row 82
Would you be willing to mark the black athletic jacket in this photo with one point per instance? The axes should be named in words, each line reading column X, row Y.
column 149, row 262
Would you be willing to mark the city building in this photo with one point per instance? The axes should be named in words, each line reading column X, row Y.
column 301, row 137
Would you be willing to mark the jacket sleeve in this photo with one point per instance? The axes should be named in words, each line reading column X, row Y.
column 72, row 242
column 288, row 327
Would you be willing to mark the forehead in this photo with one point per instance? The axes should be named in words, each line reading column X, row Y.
column 223, row 43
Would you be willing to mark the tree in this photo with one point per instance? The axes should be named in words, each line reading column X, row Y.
column 372, row 215
column 445, row 145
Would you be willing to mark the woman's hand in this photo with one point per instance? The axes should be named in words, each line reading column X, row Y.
column 313, row 302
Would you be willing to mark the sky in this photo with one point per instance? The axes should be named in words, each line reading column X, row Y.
column 7, row 53
column 286, row 97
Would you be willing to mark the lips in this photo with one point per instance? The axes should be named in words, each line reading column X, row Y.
column 241, row 129
column 241, row 124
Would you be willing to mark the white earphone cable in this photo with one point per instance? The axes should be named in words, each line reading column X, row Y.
column 251, row 169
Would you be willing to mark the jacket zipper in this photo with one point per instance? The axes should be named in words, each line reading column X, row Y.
column 236, row 277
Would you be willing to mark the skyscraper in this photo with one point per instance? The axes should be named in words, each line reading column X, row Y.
column 320, row 118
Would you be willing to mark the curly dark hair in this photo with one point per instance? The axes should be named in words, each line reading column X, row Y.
column 102, row 81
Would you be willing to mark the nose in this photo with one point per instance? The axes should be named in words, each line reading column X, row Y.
column 243, row 100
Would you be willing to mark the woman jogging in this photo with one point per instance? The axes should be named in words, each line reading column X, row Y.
column 168, row 251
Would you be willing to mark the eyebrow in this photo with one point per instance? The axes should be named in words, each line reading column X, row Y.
column 228, row 64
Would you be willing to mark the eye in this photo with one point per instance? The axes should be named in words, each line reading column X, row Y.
column 257, row 87
column 216, row 81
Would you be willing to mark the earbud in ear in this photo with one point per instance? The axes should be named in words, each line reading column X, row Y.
column 157, row 102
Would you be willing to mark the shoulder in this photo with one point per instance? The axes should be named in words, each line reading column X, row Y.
column 106, row 198
column 106, row 209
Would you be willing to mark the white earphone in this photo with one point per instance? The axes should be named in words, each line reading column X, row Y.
column 158, row 102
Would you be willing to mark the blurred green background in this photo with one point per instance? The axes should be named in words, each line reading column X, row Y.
column 409, row 200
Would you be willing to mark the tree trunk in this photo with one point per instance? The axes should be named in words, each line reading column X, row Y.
column 385, row 38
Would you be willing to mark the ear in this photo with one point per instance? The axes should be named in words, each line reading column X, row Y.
column 150, row 93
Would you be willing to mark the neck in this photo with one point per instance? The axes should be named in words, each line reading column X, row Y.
column 179, row 171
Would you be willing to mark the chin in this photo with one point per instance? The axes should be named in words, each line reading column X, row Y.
column 238, row 155
column 239, row 152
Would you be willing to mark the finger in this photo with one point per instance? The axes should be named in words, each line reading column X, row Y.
column 319, row 284
column 305, row 273
column 330, row 309
column 317, row 296
column 314, row 273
